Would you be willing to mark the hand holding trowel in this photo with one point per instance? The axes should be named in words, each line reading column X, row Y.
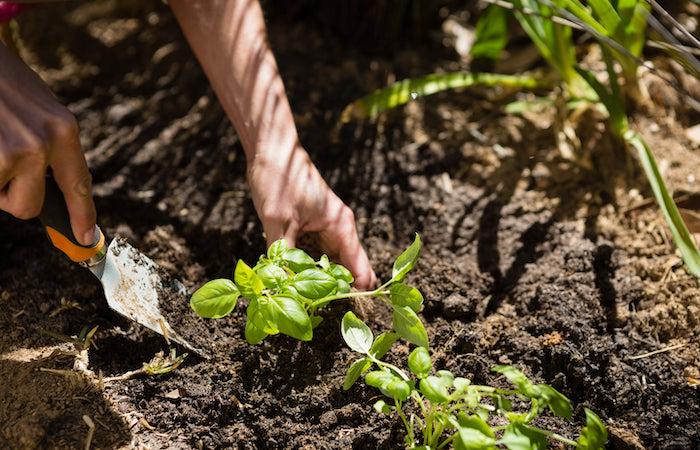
column 129, row 278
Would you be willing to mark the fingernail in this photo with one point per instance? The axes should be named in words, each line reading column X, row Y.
column 89, row 238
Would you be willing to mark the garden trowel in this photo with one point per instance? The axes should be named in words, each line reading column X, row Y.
column 130, row 279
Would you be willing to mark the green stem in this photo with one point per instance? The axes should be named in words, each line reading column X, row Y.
column 447, row 441
column 376, row 293
column 556, row 436
column 395, row 369
column 437, row 433
column 410, row 437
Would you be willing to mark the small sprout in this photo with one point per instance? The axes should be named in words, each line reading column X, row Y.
column 160, row 364
column 82, row 341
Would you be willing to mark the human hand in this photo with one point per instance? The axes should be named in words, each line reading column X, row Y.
column 292, row 200
column 37, row 132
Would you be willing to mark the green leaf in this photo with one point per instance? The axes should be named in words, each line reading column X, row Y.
column 482, row 413
column 259, row 315
column 502, row 403
column 356, row 333
column 340, row 273
column 419, row 362
column 355, row 371
column 290, row 317
column 491, row 33
column 324, row 262
column 556, row 401
column 253, row 334
column 343, row 287
column 271, row 275
column 248, row 283
column 382, row 407
column 432, row 388
column 315, row 321
column 515, row 376
column 379, row 378
column 405, row 262
column 383, row 344
column 474, row 434
column 408, row 326
column 215, row 299
column 446, row 377
column 462, row 384
column 684, row 241
column 389, row 384
column 277, row 249
column 403, row 91
column 313, row 283
column 544, row 394
column 298, row 260
column 478, row 423
column 593, row 435
column 398, row 389
column 403, row 295
column 518, row 436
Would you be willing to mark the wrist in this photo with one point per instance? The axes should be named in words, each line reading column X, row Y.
column 276, row 160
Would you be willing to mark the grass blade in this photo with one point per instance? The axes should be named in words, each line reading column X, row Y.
column 403, row 91
column 681, row 236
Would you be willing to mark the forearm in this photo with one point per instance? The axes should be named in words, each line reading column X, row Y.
column 230, row 41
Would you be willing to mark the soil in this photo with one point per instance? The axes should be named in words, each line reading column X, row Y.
column 560, row 266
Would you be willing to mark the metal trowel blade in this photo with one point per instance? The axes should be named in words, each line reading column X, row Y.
column 132, row 285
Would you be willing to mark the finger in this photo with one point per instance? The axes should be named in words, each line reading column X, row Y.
column 356, row 261
column 342, row 239
column 72, row 176
column 23, row 195
column 278, row 229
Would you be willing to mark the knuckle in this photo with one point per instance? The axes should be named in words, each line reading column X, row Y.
column 26, row 211
column 347, row 214
column 83, row 186
column 272, row 213
column 63, row 127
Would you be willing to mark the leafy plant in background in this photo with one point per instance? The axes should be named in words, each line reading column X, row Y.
column 287, row 287
column 620, row 29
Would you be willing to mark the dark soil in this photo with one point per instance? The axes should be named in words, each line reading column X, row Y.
column 557, row 266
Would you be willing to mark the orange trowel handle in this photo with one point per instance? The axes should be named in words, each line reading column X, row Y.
column 55, row 219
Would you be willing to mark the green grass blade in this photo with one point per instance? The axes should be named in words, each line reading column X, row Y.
column 583, row 14
column 607, row 16
column 681, row 236
column 538, row 27
column 403, row 91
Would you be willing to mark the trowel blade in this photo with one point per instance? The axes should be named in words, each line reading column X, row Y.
column 132, row 287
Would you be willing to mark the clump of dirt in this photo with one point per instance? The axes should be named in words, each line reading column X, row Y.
column 560, row 267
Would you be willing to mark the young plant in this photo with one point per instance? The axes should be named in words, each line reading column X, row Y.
column 287, row 287
column 452, row 410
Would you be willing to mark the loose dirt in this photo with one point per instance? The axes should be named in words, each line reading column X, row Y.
column 559, row 266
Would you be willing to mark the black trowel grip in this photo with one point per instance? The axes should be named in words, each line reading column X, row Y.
column 56, row 221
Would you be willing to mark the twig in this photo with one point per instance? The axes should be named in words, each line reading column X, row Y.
column 125, row 376
column 91, row 431
column 655, row 352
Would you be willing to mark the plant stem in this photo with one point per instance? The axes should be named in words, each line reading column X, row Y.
column 376, row 293
column 381, row 363
column 556, row 436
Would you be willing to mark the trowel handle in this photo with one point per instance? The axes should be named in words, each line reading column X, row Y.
column 55, row 219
